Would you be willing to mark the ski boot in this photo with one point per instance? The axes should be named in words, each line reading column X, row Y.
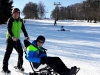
column 6, row 72
column 74, row 70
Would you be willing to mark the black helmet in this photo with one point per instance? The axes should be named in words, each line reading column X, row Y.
column 40, row 37
column 15, row 10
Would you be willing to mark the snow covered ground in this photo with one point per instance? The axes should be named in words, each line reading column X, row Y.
column 78, row 47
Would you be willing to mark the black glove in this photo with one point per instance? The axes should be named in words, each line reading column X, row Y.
column 26, row 43
column 43, row 60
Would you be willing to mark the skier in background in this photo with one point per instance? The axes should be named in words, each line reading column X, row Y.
column 62, row 28
column 55, row 23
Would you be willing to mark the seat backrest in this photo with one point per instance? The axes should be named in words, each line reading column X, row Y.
column 33, row 64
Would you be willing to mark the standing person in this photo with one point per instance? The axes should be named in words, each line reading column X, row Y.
column 14, row 27
column 36, row 54
column 55, row 23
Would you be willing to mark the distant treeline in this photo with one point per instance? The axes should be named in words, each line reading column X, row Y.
column 87, row 10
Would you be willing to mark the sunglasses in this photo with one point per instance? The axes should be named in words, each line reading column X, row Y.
column 40, row 41
column 16, row 11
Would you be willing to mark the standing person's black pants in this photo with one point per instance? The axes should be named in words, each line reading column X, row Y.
column 57, row 64
column 9, row 48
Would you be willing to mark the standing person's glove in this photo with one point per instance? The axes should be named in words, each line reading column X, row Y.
column 27, row 38
column 43, row 60
column 14, row 39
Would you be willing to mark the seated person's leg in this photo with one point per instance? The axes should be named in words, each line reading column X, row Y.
column 57, row 65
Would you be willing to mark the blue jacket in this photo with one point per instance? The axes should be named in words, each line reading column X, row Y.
column 34, row 54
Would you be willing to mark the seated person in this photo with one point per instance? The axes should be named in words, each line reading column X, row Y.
column 62, row 28
column 35, row 53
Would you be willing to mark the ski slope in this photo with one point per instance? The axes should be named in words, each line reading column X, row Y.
column 78, row 47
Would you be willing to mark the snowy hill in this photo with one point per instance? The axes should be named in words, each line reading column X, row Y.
column 80, row 46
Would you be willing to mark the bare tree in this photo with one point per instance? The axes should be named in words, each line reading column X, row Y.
column 31, row 10
column 41, row 10
column 62, row 13
column 54, row 13
column 94, row 8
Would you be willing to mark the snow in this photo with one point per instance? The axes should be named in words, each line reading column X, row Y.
column 78, row 47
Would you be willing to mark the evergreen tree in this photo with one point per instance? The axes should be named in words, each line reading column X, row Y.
column 5, row 10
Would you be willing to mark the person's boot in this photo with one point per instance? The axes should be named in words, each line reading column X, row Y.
column 6, row 71
column 73, row 70
column 19, row 69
